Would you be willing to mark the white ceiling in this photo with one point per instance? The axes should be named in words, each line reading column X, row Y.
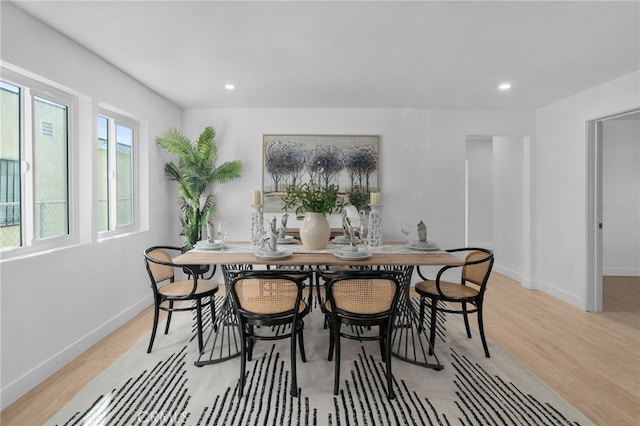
column 334, row 54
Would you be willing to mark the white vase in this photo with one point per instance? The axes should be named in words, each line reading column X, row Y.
column 315, row 231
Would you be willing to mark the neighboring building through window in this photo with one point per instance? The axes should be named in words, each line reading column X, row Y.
column 9, row 193
column 34, row 202
column 116, row 174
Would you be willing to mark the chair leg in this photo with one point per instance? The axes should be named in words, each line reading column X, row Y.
column 382, row 340
column 466, row 319
column 303, row 355
column 199, row 324
column 336, row 338
column 294, row 380
column 331, row 340
column 481, row 329
column 250, row 341
column 432, row 336
column 156, row 314
column 390, row 393
column 166, row 329
column 243, row 364
column 421, row 317
column 212, row 303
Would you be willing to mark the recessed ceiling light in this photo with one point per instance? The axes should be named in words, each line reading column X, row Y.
column 505, row 86
column 229, row 86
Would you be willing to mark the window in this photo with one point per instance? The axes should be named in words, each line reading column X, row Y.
column 50, row 167
column 34, row 201
column 116, row 174
column 10, row 235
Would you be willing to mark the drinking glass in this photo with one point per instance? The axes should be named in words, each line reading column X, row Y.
column 364, row 235
column 404, row 228
column 222, row 231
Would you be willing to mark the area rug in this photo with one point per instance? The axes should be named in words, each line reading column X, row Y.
column 166, row 388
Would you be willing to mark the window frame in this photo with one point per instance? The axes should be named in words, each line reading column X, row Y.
column 29, row 90
column 115, row 118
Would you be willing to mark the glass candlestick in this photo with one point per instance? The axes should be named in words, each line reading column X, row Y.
column 257, row 225
column 375, row 225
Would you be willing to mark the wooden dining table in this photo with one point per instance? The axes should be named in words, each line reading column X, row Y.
column 410, row 338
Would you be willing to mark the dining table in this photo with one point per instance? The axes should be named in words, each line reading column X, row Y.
column 410, row 340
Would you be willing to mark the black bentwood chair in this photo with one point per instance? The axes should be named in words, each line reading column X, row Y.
column 269, row 299
column 169, row 293
column 469, row 291
column 360, row 299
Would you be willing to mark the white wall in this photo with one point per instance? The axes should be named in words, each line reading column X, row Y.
column 480, row 191
column 499, row 190
column 508, row 206
column 55, row 305
column 422, row 158
column 561, row 185
column 621, row 197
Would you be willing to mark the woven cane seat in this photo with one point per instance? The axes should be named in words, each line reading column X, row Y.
column 449, row 289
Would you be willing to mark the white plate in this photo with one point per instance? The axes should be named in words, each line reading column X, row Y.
column 288, row 239
column 360, row 256
column 351, row 253
column 206, row 245
column 421, row 243
column 212, row 248
column 343, row 240
column 423, row 247
column 273, row 254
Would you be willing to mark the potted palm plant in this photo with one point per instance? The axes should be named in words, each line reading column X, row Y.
column 194, row 173
column 315, row 202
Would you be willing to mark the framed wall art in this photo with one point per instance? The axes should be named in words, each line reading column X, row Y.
column 348, row 161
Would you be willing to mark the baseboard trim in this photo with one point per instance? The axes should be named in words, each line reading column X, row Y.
column 19, row 387
column 572, row 299
column 508, row 272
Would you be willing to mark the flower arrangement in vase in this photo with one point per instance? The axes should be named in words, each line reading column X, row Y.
column 315, row 202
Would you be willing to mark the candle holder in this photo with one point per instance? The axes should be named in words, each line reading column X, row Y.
column 257, row 225
column 375, row 225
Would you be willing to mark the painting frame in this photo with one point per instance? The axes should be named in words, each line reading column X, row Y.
column 349, row 161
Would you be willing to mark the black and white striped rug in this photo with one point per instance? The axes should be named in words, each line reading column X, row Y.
column 166, row 388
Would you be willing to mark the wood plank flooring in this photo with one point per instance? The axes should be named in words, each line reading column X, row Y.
column 591, row 359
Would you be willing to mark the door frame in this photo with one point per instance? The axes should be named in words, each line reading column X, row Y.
column 593, row 291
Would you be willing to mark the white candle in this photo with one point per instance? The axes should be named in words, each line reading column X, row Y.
column 257, row 197
column 374, row 198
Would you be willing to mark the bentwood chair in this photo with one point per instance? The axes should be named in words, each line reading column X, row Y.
column 305, row 274
column 269, row 301
column 173, row 295
column 324, row 275
column 361, row 300
column 470, row 290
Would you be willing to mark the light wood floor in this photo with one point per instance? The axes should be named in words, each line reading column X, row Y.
column 591, row 359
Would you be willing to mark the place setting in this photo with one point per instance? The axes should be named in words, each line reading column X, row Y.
column 212, row 243
column 287, row 239
column 421, row 244
column 208, row 245
column 354, row 251
column 268, row 247
column 272, row 254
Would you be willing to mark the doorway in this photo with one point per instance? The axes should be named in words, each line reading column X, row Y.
column 498, row 201
column 613, row 233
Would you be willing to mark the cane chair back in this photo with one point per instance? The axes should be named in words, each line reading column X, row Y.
column 363, row 296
